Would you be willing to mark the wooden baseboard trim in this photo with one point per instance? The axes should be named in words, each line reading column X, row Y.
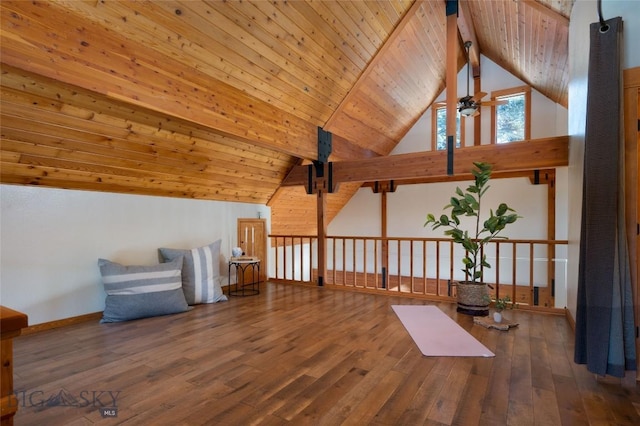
column 95, row 316
column 570, row 320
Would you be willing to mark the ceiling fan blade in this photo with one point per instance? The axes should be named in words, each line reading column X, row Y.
column 478, row 96
column 494, row 103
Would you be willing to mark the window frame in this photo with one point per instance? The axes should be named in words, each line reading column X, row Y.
column 495, row 95
column 434, row 128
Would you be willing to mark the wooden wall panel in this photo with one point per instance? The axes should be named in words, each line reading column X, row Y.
column 632, row 182
column 294, row 212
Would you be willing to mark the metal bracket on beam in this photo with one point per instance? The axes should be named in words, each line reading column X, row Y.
column 452, row 7
column 320, row 178
column 324, row 145
column 385, row 186
column 320, row 173
column 543, row 177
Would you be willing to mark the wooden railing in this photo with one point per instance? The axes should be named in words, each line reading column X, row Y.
column 425, row 267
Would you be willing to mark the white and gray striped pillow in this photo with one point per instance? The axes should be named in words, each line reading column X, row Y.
column 141, row 291
column 200, row 272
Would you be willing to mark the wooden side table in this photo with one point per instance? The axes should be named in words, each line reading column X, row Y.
column 11, row 325
column 242, row 267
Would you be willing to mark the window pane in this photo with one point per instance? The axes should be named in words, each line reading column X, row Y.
column 510, row 118
column 441, row 129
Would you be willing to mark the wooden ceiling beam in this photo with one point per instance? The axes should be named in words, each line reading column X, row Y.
column 468, row 33
column 530, row 174
column 342, row 149
column 451, row 80
column 524, row 155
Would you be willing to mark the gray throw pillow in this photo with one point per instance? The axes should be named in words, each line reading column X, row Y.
column 200, row 272
column 141, row 291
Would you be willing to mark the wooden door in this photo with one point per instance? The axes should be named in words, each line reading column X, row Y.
column 252, row 238
column 632, row 184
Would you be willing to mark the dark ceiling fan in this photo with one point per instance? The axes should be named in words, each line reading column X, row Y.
column 468, row 105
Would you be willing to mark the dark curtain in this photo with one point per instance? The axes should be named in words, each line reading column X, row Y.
column 604, row 318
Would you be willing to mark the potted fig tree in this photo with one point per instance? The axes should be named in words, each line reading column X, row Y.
column 472, row 294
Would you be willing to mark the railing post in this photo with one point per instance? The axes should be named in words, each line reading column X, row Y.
column 322, row 237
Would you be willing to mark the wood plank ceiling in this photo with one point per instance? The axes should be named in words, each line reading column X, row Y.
column 218, row 100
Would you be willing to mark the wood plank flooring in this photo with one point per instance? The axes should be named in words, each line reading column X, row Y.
column 297, row 355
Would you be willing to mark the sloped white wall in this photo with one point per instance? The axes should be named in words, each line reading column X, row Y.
column 409, row 205
column 51, row 240
column 549, row 118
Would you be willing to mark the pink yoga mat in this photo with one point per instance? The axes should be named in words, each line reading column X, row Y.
column 436, row 334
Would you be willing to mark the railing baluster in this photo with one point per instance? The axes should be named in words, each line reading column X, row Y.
column 284, row 258
column 481, row 256
column 551, row 255
column 514, row 257
column 344, row 261
column 364, row 261
column 451, row 264
column 438, row 265
column 375, row 263
column 334, row 260
column 276, row 255
column 353, row 261
column 300, row 260
column 311, row 239
column 424, row 266
column 293, row 260
column 399, row 268
column 497, row 269
column 531, row 290
column 411, row 266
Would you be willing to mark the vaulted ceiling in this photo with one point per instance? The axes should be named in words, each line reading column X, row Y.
column 219, row 100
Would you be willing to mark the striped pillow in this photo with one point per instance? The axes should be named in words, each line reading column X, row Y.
column 200, row 272
column 141, row 291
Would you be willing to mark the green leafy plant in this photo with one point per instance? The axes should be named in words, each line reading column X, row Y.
column 469, row 203
column 503, row 303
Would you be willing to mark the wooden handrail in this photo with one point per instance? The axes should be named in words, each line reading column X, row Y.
column 355, row 262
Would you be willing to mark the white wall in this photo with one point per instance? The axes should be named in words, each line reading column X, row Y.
column 51, row 239
column 408, row 206
column 584, row 13
column 550, row 119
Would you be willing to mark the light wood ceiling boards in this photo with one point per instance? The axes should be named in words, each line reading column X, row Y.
column 530, row 39
column 74, row 138
column 397, row 86
column 220, row 99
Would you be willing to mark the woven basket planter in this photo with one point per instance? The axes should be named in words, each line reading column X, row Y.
column 472, row 299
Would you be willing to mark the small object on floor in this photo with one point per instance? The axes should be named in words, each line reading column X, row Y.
column 488, row 322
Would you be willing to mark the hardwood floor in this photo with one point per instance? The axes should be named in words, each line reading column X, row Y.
column 307, row 355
